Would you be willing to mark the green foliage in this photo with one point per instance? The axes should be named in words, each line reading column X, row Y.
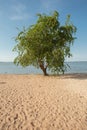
column 46, row 43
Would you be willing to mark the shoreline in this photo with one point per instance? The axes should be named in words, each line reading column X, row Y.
column 50, row 75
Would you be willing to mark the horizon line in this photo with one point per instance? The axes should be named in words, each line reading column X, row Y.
column 65, row 61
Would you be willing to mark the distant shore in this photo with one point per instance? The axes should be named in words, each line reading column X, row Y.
column 40, row 102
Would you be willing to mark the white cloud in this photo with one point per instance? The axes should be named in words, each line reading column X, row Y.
column 1, row 13
column 19, row 7
column 19, row 17
column 19, row 12
column 49, row 4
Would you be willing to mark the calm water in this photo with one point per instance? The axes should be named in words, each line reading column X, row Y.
column 10, row 68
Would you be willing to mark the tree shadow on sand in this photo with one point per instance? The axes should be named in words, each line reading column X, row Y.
column 80, row 76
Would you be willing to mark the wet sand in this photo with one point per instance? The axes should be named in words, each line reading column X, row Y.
column 36, row 102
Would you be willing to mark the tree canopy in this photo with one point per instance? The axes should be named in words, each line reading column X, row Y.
column 45, row 44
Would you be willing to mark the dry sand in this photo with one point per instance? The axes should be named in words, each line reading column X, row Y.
column 35, row 102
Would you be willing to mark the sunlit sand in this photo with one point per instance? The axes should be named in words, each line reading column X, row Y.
column 36, row 102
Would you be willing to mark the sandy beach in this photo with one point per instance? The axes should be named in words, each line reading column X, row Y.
column 36, row 102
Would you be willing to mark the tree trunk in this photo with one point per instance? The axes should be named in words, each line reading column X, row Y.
column 44, row 69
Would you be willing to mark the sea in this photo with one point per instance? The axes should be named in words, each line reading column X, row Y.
column 11, row 68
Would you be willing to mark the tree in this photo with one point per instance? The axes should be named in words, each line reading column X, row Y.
column 45, row 44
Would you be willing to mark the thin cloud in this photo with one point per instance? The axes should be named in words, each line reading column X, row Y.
column 19, row 12
column 0, row 13
column 19, row 17
column 19, row 7
column 49, row 4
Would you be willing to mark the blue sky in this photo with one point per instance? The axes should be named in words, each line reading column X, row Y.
column 20, row 13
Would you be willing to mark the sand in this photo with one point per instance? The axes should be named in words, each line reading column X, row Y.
column 36, row 102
